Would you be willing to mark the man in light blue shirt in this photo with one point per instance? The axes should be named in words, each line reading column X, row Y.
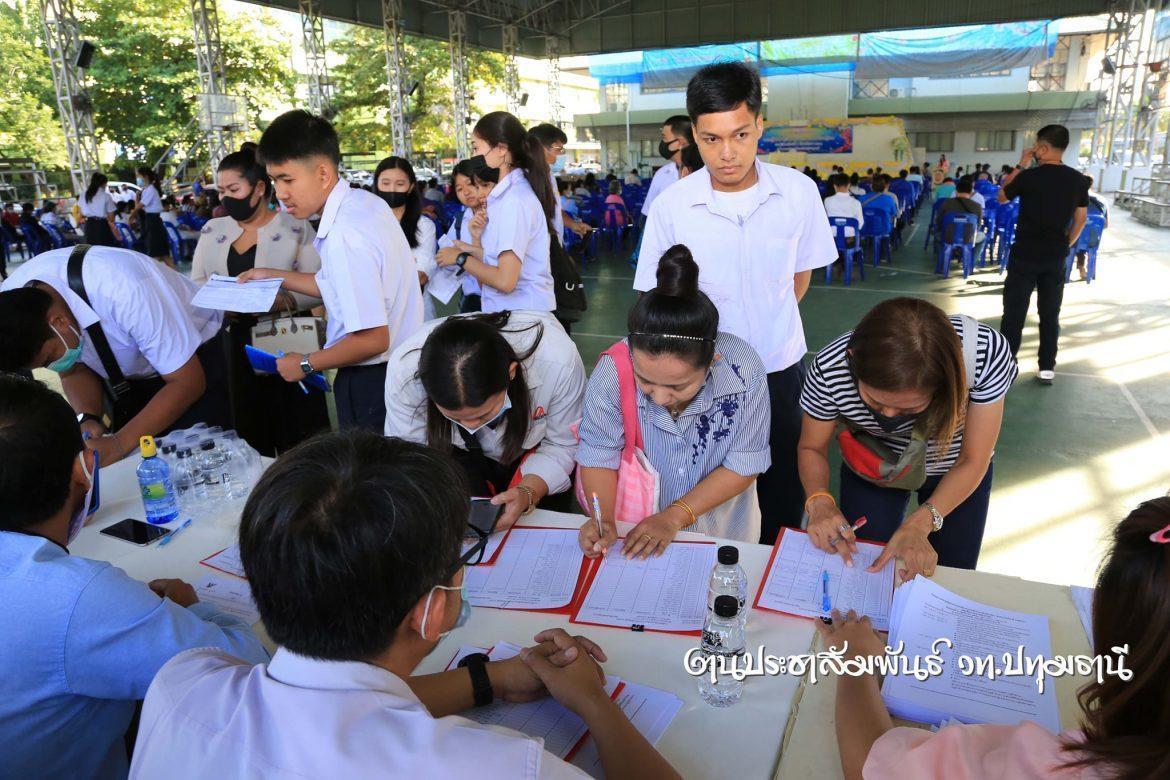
column 81, row 639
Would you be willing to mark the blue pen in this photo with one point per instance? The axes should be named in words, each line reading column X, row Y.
column 167, row 539
column 826, row 605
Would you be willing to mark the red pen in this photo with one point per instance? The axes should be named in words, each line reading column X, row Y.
column 860, row 522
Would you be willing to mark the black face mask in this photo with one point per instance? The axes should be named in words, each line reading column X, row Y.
column 483, row 171
column 240, row 209
column 394, row 199
column 891, row 424
column 664, row 150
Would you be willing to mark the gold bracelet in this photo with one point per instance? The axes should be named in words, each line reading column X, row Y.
column 531, row 504
column 818, row 494
column 683, row 505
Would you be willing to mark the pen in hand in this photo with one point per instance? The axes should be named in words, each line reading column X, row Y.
column 600, row 529
column 304, row 389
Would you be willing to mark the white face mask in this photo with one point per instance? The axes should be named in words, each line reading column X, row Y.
column 78, row 520
column 503, row 410
column 464, row 609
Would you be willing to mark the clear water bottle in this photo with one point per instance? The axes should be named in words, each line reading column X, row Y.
column 728, row 578
column 213, row 463
column 167, row 451
column 245, row 463
column 154, row 480
column 722, row 638
column 188, row 481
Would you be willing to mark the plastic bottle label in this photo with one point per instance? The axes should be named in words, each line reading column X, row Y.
column 153, row 491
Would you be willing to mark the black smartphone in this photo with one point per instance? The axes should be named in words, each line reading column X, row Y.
column 135, row 532
column 484, row 515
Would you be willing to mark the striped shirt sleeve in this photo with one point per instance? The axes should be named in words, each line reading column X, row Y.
column 602, row 434
column 818, row 398
column 999, row 369
column 750, row 454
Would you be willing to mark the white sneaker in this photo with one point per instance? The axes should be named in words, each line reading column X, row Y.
column 1046, row 377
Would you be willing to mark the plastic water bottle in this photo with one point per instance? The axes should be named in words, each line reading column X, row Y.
column 237, row 452
column 213, row 463
column 722, row 638
column 166, row 451
column 154, row 480
column 728, row 578
column 188, row 481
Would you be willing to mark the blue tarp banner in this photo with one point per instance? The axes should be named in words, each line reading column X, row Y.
column 954, row 51
column 671, row 69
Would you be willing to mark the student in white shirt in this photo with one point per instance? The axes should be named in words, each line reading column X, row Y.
column 756, row 231
column 676, row 134
column 471, row 191
column 632, row 178
column 553, row 139
column 394, row 182
column 352, row 543
column 502, row 392
column 842, row 204
column 149, row 205
column 512, row 265
column 167, row 349
column 98, row 208
column 368, row 278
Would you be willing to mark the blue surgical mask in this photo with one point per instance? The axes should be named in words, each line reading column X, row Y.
column 141, row 182
column 464, row 608
column 91, row 503
column 503, row 410
column 71, row 356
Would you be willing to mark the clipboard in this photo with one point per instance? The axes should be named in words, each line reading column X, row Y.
column 204, row 562
column 578, row 592
column 266, row 362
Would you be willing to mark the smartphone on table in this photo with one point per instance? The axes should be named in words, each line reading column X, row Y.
column 136, row 532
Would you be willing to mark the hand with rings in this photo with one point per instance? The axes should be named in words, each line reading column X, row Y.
column 651, row 536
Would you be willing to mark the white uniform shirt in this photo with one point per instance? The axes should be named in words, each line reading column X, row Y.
column 101, row 206
column 746, row 264
column 367, row 275
column 210, row 715
column 978, row 198
column 556, row 387
column 424, row 259
column 633, row 179
column 842, row 204
column 144, row 308
column 470, row 283
column 151, row 201
column 516, row 222
column 663, row 178
column 558, row 215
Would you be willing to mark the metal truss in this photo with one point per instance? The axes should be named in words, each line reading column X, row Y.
column 552, row 48
column 1122, row 136
column 217, row 111
column 320, row 95
column 511, row 48
column 73, row 105
column 551, row 17
column 396, row 76
column 457, row 35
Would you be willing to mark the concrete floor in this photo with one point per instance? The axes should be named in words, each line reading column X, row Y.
column 1072, row 458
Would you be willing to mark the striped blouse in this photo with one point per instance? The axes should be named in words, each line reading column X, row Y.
column 725, row 424
column 830, row 391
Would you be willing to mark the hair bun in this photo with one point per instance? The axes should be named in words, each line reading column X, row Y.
column 678, row 274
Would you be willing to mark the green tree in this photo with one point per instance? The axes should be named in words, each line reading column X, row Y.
column 28, row 103
column 362, row 97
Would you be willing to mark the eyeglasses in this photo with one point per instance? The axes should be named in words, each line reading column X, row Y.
column 474, row 554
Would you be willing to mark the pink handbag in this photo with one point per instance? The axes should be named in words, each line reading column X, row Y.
column 638, row 481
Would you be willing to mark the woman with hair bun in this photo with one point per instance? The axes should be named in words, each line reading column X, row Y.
column 703, row 412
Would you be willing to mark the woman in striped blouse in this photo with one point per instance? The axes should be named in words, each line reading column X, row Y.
column 702, row 400
column 906, row 372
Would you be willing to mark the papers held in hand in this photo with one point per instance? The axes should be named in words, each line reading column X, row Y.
column 226, row 294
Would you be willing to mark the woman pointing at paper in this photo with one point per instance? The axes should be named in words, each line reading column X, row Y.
column 918, row 398
column 697, row 399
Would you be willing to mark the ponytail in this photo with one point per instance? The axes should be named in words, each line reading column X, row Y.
column 500, row 127
column 96, row 182
column 539, row 176
column 676, row 317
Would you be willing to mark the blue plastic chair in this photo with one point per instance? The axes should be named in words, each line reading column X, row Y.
column 125, row 234
column 55, row 236
column 877, row 229
column 957, row 225
column 930, row 231
column 904, row 191
column 615, row 224
column 1006, row 215
column 174, row 241
column 34, row 240
column 845, row 251
column 1088, row 242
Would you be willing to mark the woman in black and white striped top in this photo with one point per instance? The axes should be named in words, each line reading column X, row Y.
column 907, row 365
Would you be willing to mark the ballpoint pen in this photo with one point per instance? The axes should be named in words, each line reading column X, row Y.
column 304, row 389
column 826, row 605
column 597, row 517
column 854, row 528
column 166, row 539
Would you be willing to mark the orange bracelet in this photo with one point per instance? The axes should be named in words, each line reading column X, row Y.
column 818, row 494
column 683, row 505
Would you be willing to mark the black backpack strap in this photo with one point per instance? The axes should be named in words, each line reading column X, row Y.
column 459, row 225
column 117, row 384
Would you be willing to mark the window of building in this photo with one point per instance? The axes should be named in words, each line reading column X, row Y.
column 615, row 97
column 871, row 88
column 995, row 140
column 935, row 142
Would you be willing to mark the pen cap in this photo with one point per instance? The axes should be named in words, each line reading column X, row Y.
column 728, row 555
column 726, row 606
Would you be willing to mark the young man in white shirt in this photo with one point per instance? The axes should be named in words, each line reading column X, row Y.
column 842, row 204
column 676, row 134
column 757, row 232
column 352, row 544
column 368, row 279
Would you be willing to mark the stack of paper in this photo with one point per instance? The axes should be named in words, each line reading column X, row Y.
column 229, row 595
column 537, row 569
column 227, row 294
column 923, row 613
column 649, row 709
column 226, row 560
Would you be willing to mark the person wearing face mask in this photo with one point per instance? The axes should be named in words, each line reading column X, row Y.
column 502, row 393
column 470, row 186
column 924, row 393
column 702, row 403
column 512, row 264
column 676, row 136
column 135, row 357
column 270, row 414
column 394, row 182
column 82, row 639
column 355, row 514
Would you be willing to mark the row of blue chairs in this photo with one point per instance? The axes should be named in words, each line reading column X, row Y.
column 879, row 233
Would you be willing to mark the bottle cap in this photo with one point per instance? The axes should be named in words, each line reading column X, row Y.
column 146, row 446
column 208, row 444
column 168, row 448
column 728, row 555
column 184, row 452
column 726, row 606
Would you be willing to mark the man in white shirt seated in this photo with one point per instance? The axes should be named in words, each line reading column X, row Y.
column 632, row 178
column 915, row 174
column 842, row 204
column 352, row 544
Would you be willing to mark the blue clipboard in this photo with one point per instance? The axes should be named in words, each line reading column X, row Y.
column 263, row 361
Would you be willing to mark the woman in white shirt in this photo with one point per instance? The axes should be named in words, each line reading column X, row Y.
column 394, row 182
column 512, row 264
column 502, row 392
column 470, row 191
column 271, row 414
column 149, row 203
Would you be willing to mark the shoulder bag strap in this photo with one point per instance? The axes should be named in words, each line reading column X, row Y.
column 459, row 225
column 970, row 340
column 620, row 355
column 117, row 386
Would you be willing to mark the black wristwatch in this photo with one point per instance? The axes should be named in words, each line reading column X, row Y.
column 103, row 420
column 481, row 684
column 461, row 259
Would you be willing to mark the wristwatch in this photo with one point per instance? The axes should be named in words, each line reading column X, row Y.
column 935, row 515
column 306, row 366
column 481, row 684
column 461, row 259
column 102, row 420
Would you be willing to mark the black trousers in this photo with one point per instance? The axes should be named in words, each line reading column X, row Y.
column 1047, row 278
column 780, row 492
column 360, row 393
column 213, row 407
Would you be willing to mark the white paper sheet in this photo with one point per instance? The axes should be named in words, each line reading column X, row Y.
column 493, row 544
column 649, row 709
column 226, row 294
column 227, row 560
column 1083, row 599
column 793, row 583
column 667, row 593
column 922, row 613
column 537, row 569
column 229, row 595
column 443, row 284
